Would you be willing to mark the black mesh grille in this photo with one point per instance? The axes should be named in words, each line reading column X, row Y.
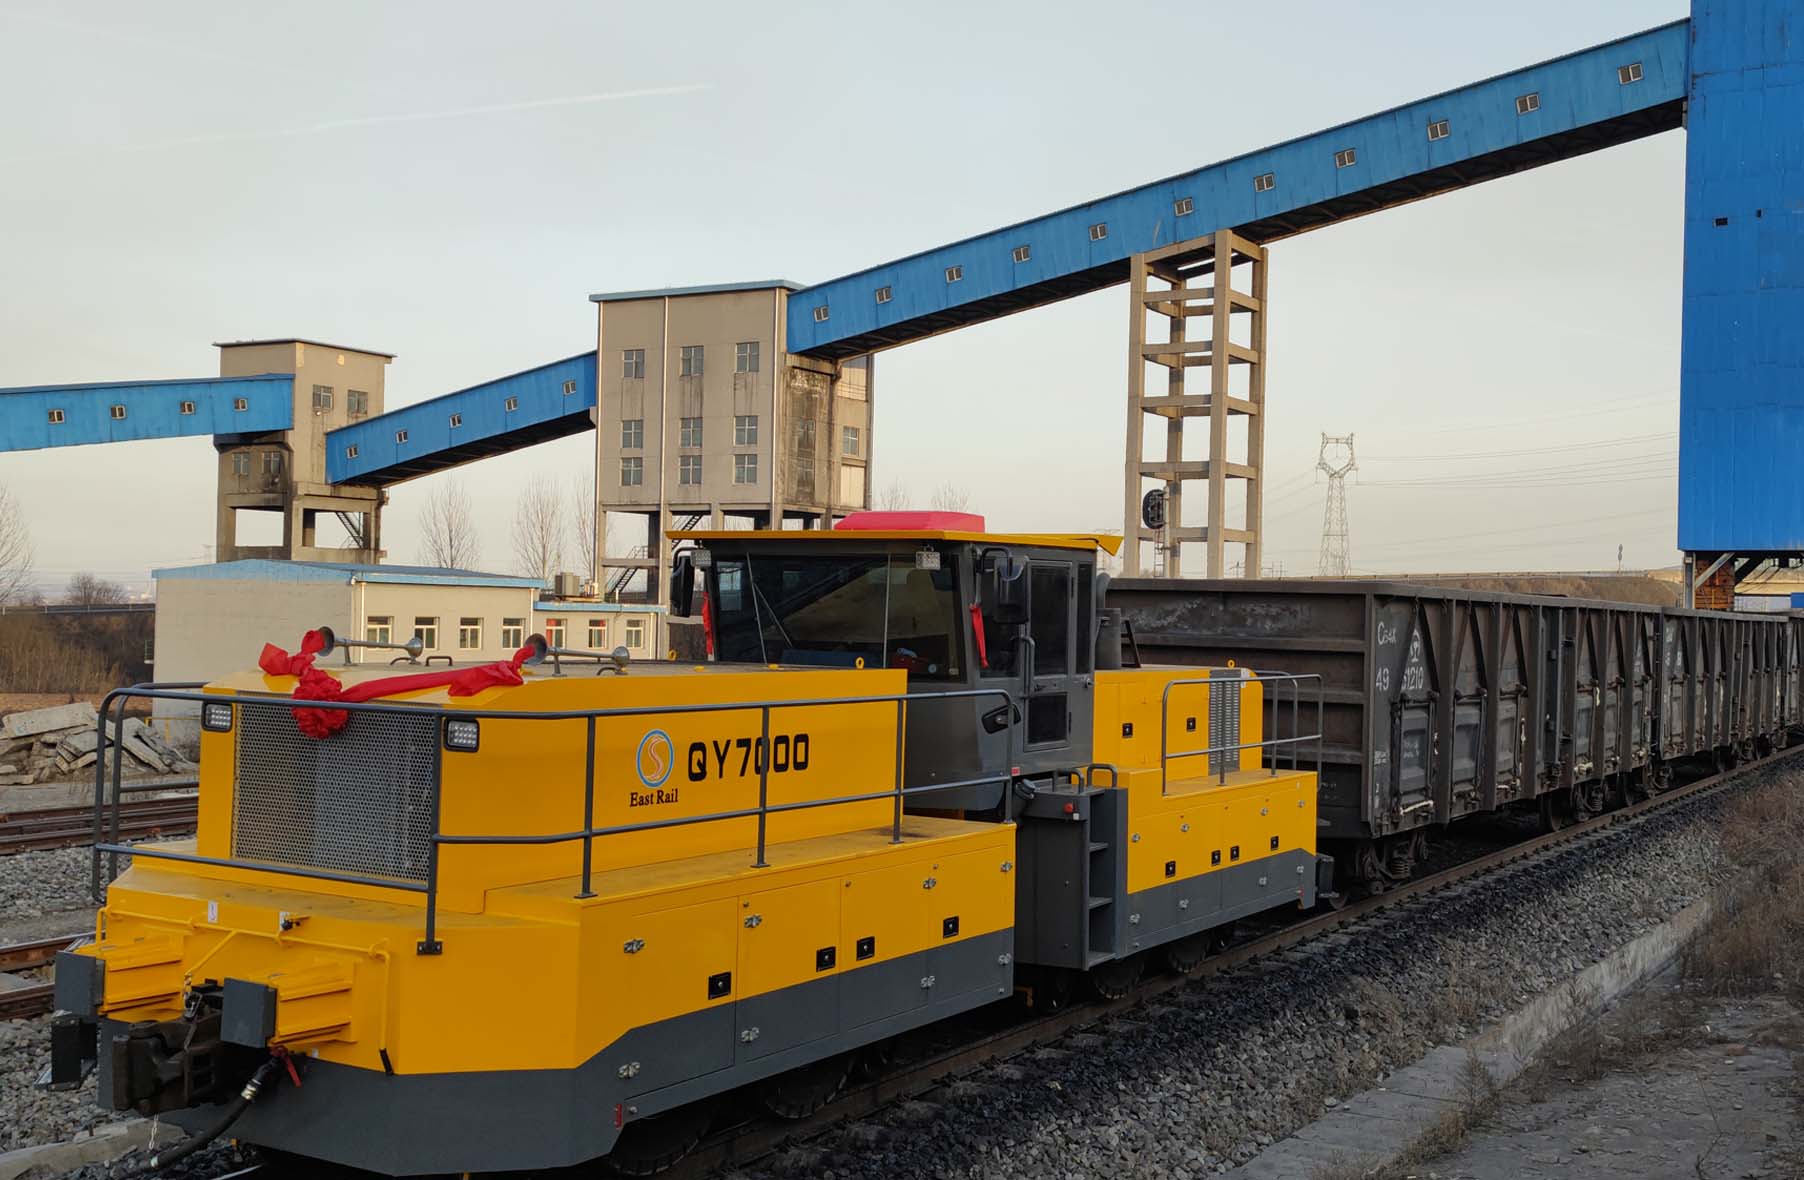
column 359, row 801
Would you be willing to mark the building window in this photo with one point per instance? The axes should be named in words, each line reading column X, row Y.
column 883, row 296
column 569, row 388
column 379, row 628
column 635, row 633
column 469, row 634
column 187, row 407
column 456, row 421
column 745, row 357
column 1629, row 73
column 513, row 634
column 56, row 417
column 241, row 463
column 240, row 404
column 272, row 462
column 745, row 469
column 118, row 413
column 1346, row 158
column 745, row 430
column 632, row 433
column 848, row 441
column 820, row 314
column 598, row 634
column 632, row 471
column 425, row 629
column 689, row 469
column 692, row 360
column 511, row 404
column 632, row 362
column 351, row 451
column 400, row 437
column 689, row 432
column 554, row 632
column 1528, row 103
column 357, row 403
column 1022, row 253
column 322, row 398
column 954, row 273
column 1099, row 231
column 1439, row 129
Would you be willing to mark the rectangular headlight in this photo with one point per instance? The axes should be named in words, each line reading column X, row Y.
column 216, row 716
column 462, row 735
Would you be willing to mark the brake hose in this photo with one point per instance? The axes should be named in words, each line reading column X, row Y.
column 187, row 1147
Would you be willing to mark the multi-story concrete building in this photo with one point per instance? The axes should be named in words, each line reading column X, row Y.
column 284, row 471
column 704, row 416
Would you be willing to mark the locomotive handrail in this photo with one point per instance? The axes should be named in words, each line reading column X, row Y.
column 588, row 833
column 1244, row 676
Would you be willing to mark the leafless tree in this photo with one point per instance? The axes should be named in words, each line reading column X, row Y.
column 893, row 498
column 87, row 590
column 539, row 529
column 589, row 540
column 448, row 528
column 951, row 497
column 15, row 550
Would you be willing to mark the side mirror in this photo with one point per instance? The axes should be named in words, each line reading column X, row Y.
column 1003, row 587
column 682, row 585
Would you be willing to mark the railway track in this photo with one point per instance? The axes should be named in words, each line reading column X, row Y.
column 32, row 999
column 746, row 1142
column 63, row 827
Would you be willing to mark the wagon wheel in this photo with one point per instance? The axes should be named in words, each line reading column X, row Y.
column 651, row 1145
column 1115, row 978
column 1556, row 810
column 800, row 1092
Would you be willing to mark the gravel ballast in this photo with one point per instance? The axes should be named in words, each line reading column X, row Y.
column 1204, row 1077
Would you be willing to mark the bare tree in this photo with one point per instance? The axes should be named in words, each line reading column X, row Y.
column 448, row 528
column 539, row 529
column 87, row 590
column 15, row 550
column 893, row 498
column 590, row 541
column 951, row 497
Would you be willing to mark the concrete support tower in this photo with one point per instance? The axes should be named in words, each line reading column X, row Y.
column 1207, row 300
column 284, row 471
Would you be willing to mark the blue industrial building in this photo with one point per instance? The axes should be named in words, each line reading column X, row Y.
column 1732, row 75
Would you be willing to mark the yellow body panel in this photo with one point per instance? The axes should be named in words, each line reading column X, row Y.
column 1181, row 818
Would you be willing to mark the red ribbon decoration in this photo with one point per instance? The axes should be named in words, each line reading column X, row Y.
column 316, row 685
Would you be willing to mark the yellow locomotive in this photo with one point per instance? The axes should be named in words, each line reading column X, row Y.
column 535, row 919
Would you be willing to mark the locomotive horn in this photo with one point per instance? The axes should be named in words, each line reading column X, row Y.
column 413, row 647
column 610, row 661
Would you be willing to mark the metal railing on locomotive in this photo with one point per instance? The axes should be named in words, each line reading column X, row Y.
column 588, row 833
column 1270, row 748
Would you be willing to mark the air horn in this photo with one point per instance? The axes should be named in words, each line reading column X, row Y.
column 610, row 661
column 413, row 647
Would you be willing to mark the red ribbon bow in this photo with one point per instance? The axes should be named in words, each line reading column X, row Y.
column 316, row 685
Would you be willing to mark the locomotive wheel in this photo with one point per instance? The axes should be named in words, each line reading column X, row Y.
column 1185, row 956
column 1114, row 979
column 652, row 1145
column 800, row 1092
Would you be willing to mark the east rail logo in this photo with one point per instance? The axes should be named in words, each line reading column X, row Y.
column 654, row 761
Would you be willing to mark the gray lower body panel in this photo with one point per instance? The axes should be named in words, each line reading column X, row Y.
column 1165, row 913
column 504, row 1120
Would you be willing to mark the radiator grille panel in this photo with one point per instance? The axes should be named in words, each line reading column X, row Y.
column 1224, row 719
column 359, row 801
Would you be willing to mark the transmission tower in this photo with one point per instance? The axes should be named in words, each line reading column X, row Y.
column 1335, row 460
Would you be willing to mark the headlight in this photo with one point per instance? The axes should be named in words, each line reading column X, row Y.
column 462, row 735
column 216, row 716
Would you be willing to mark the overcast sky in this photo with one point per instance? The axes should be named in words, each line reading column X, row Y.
column 449, row 181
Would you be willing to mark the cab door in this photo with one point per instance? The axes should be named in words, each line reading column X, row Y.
column 1048, row 684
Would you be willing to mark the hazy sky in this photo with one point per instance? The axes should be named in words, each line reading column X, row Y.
column 449, row 181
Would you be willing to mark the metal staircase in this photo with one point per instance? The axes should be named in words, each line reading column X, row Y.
column 622, row 576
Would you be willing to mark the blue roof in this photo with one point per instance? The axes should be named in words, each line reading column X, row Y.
column 706, row 289
column 346, row 572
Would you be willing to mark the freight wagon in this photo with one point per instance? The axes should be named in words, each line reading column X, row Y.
column 1443, row 703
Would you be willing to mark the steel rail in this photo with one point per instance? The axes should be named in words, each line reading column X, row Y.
column 64, row 827
column 38, row 952
column 746, row 1142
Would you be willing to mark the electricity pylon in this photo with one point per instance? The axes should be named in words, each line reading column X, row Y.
column 1335, row 460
